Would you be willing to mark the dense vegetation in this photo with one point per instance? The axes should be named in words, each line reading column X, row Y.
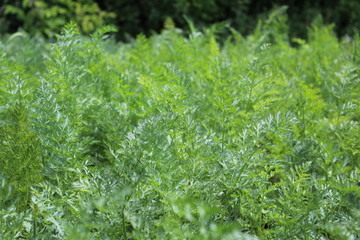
column 140, row 16
column 179, row 137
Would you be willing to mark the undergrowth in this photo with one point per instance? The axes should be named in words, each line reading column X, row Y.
column 174, row 137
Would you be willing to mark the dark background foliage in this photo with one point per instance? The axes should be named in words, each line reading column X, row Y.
column 143, row 16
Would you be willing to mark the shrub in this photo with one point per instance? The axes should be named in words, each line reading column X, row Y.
column 44, row 17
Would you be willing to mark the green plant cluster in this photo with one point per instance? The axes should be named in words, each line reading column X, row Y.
column 174, row 137
column 48, row 17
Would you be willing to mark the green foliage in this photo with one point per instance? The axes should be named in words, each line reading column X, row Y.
column 147, row 17
column 174, row 137
column 21, row 165
column 39, row 16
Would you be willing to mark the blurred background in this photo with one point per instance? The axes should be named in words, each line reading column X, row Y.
column 131, row 17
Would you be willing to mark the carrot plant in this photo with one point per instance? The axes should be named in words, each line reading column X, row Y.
column 180, row 137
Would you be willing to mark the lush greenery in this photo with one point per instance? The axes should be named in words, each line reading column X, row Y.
column 179, row 137
column 48, row 17
column 134, row 17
